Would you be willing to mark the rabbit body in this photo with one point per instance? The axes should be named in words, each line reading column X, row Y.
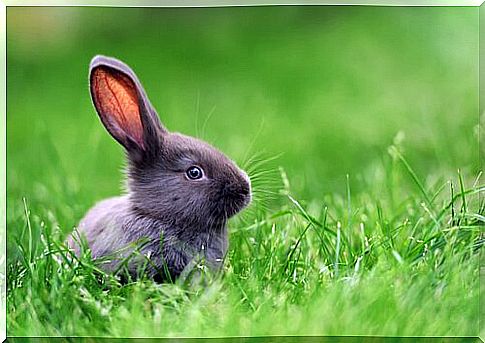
column 180, row 190
column 113, row 224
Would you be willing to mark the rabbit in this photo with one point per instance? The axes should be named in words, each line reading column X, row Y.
column 181, row 191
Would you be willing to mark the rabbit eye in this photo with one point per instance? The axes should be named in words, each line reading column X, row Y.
column 194, row 173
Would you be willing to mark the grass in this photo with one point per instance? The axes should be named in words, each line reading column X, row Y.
column 337, row 267
column 368, row 204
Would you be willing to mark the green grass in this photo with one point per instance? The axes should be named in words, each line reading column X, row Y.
column 366, row 219
column 358, row 268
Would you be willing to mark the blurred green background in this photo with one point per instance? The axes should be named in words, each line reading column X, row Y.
column 329, row 87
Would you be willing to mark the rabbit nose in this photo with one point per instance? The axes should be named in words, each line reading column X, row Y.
column 247, row 180
column 237, row 189
column 245, row 188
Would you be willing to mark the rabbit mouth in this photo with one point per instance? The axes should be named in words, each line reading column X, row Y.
column 235, row 198
column 235, row 207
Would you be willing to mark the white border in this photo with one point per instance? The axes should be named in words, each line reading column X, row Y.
column 230, row 3
column 3, row 176
column 136, row 3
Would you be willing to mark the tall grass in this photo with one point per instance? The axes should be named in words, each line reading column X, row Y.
column 353, row 264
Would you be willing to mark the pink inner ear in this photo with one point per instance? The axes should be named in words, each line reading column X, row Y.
column 117, row 100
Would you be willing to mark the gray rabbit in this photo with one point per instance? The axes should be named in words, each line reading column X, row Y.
column 181, row 190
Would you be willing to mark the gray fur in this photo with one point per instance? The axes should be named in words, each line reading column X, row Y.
column 179, row 219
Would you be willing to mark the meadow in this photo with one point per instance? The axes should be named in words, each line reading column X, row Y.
column 357, row 125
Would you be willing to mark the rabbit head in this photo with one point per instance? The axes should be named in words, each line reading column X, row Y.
column 171, row 177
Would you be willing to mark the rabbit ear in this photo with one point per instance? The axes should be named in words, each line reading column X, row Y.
column 123, row 106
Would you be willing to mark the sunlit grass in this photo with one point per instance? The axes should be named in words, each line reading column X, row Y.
column 347, row 265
